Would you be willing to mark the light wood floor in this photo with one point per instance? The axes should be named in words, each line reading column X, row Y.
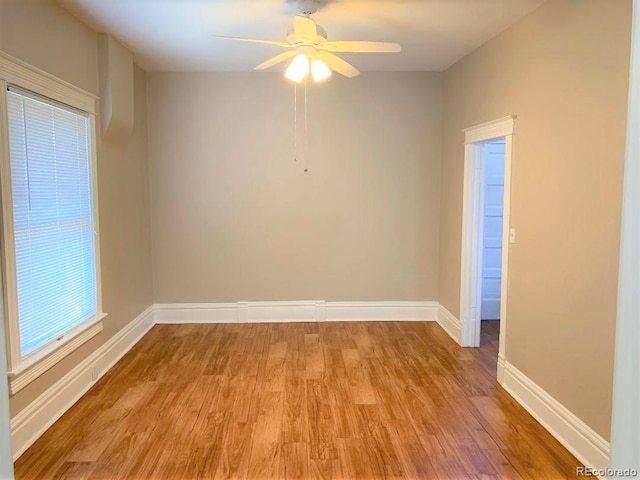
column 317, row 400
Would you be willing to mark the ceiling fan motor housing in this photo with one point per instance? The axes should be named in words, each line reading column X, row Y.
column 321, row 36
column 308, row 7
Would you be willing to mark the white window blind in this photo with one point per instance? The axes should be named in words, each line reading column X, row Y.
column 50, row 158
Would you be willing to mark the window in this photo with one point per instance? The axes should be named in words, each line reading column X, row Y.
column 52, row 218
column 49, row 228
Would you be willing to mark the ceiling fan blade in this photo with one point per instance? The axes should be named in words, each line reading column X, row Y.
column 337, row 64
column 255, row 40
column 275, row 60
column 361, row 47
column 305, row 28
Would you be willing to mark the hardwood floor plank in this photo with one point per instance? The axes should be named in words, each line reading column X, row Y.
column 320, row 420
column 322, row 469
column 313, row 355
column 354, row 460
column 343, row 406
column 361, row 388
column 75, row 470
column 295, row 427
column 295, row 461
column 413, row 458
column 275, row 368
column 295, row 361
column 266, row 447
column 378, row 441
column 236, row 445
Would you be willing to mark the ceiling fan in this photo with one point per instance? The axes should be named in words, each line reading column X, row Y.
column 313, row 53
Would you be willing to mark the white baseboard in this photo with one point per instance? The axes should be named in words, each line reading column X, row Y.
column 450, row 324
column 382, row 311
column 584, row 443
column 502, row 363
column 201, row 312
column 301, row 311
column 28, row 425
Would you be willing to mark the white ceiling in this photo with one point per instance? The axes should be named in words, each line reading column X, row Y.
column 175, row 35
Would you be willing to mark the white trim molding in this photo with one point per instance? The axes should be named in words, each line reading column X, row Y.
column 450, row 323
column 6, row 458
column 577, row 437
column 625, row 422
column 472, row 228
column 85, row 332
column 502, row 365
column 501, row 127
column 381, row 311
column 28, row 425
column 15, row 71
column 294, row 311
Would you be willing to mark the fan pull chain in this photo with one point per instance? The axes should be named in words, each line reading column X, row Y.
column 305, row 146
column 295, row 122
column 306, row 130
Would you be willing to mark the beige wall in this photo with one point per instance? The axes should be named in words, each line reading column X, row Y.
column 42, row 34
column 564, row 71
column 234, row 218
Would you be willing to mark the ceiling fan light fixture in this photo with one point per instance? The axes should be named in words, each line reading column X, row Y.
column 299, row 68
column 319, row 70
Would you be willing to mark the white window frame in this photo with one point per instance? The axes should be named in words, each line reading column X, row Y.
column 23, row 370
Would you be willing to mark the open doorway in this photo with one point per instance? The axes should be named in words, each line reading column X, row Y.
column 486, row 234
column 491, row 217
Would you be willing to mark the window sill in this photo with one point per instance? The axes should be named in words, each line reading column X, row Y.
column 41, row 361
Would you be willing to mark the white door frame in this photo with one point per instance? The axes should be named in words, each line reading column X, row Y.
column 625, row 422
column 472, row 210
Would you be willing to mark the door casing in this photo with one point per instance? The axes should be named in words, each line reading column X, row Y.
column 472, row 211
